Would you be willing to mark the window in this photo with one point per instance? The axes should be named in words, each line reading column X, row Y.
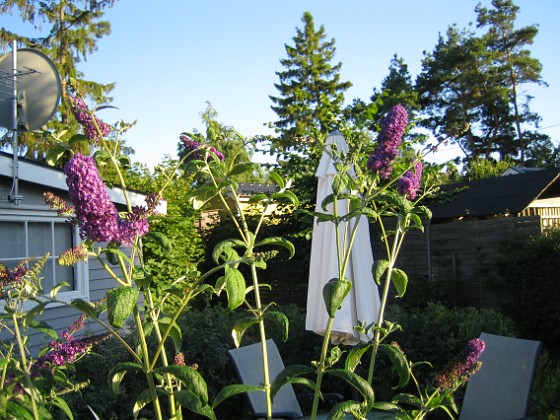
column 34, row 233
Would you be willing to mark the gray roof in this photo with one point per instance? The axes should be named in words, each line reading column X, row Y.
column 493, row 196
column 250, row 188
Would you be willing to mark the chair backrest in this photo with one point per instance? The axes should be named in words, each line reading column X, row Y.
column 501, row 389
column 248, row 362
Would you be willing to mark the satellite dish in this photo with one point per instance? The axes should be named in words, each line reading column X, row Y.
column 38, row 89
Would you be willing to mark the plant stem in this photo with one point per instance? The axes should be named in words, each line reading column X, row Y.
column 146, row 363
column 321, row 367
column 32, row 391
column 380, row 319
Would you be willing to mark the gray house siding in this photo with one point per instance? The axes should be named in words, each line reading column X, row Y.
column 34, row 180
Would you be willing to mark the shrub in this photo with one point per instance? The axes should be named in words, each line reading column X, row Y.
column 532, row 272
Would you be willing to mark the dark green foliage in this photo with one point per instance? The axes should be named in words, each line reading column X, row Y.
column 470, row 88
column 531, row 271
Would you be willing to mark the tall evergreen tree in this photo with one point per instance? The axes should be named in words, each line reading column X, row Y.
column 75, row 26
column 311, row 93
column 310, row 100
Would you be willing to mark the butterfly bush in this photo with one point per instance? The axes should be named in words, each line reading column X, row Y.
column 93, row 126
column 194, row 148
column 97, row 215
column 389, row 139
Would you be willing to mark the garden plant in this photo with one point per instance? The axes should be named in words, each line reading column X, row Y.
column 172, row 386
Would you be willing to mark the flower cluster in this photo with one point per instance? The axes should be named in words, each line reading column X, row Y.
column 57, row 203
column 73, row 255
column 389, row 140
column 409, row 183
column 465, row 364
column 194, row 147
column 13, row 276
column 67, row 351
column 93, row 126
column 96, row 213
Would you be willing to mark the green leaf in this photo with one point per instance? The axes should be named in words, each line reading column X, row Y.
column 63, row 405
column 189, row 377
column 288, row 196
column 18, row 412
column 257, row 198
column 292, row 375
column 33, row 312
column 278, row 241
column 143, row 399
column 174, row 333
column 400, row 281
column 379, row 268
column 242, row 168
column 408, row 399
column 222, row 246
column 117, row 373
column 87, row 308
column 340, row 410
column 235, row 287
column 356, row 381
column 121, row 301
column 232, row 390
column 277, row 179
column 112, row 255
column 124, row 161
column 44, row 328
column 190, row 401
column 281, row 320
column 55, row 154
column 240, row 327
column 55, row 289
column 334, row 293
column 355, row 356
column 398, row 359
column 141, row 278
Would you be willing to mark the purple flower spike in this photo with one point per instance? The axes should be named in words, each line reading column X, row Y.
column 94, row 210
column 409, row 184
column 465, row 364
column 87, row 120
column 194, row 147
column 389, row 140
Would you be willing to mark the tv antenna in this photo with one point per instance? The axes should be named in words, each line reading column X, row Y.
column 30, row 90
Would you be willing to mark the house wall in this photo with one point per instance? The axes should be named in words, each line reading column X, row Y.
column 58, row 317
column 458, row 262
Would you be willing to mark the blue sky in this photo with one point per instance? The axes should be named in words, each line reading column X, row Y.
column 168, row 58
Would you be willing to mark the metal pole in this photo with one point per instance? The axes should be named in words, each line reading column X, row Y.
column 16, row 198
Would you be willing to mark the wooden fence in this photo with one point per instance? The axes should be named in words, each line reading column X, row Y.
column 458, row 262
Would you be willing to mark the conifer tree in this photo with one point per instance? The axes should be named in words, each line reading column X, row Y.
column 310, row 99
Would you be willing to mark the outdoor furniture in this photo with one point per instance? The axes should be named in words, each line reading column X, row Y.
column 501, row 389
column 248, row 364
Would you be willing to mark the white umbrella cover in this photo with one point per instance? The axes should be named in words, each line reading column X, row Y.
column 362, row 303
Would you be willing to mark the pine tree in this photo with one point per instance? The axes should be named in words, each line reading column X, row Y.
column 75, row 28
column 470, row 89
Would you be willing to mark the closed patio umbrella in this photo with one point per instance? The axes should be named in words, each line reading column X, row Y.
column 362, row 303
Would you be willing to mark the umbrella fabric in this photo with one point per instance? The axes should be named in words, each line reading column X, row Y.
column 362, row 303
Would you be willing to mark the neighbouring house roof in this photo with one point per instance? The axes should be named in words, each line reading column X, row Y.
column 505, row 194
column 248, row 188
column 47, row 176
